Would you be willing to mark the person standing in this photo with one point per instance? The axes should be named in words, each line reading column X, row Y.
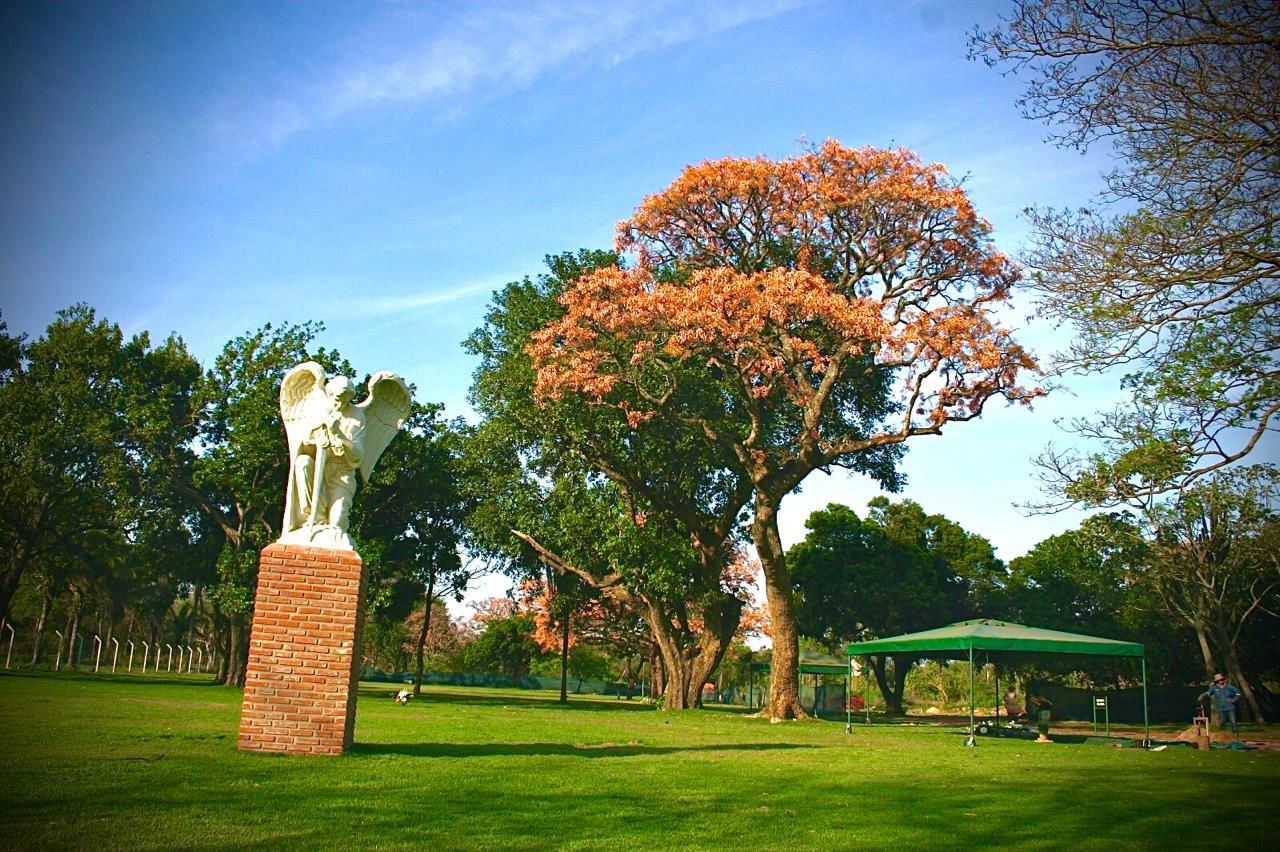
column 1225, row 697
column 1012, row 706
column 1040, row 708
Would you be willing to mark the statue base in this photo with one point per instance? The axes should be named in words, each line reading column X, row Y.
column 319, row 535
column 304, row 664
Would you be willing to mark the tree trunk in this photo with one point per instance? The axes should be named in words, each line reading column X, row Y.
column 892, row 692
column 1206, row 650
column 220, row 629
column 1236, row 673
column 684, row 666
column 676, row 677
column 657, row 677
column 564, row 660
column 422, row 635
column 15, row 566
column 784, row 683
column 73, row 627
column 195, row 613
column 237, row 649
column 46, row 605
column 67, row 637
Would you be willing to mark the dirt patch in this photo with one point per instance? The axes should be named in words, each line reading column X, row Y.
column 1190, row 735
column 1226, row 738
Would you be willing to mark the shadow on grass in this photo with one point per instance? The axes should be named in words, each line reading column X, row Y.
column 462, row 750
column 73, row 676
column 536, row 700
column 465, row 695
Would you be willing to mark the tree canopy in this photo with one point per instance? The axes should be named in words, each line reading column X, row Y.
column 796, row 315
column 1172, row 274
column 91, row 421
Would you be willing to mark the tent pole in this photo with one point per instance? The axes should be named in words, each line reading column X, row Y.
column 848, row 696
column 973, row 740
column 1146, row 722
column 848, row 711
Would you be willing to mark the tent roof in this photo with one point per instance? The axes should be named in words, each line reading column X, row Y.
column 812, row 662
column 988, row 635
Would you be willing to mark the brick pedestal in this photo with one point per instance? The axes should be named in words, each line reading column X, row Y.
column 300, row 686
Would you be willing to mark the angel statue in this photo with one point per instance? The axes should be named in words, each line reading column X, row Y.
column 330, row 439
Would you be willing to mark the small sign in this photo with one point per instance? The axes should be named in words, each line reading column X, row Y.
column 1100, row 703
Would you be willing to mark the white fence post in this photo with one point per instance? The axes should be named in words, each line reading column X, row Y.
column 115, row 653
column 190, row 659
column 156, row 667
column 8, row 656
column 169, row 667
column 97, row 658
column 146, row 652
column 57, row 666
column 130, row 644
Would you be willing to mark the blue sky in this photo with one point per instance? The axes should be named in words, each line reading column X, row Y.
column 205, row 167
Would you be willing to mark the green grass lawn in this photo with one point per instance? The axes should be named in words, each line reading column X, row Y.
column 101, row 761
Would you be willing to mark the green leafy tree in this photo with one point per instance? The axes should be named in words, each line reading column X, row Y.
column 646, row 519
column 854, row 582
column 858, row 579
column 90, row 420
column 411, row 518
column 588, row 663
column 1214, row 565
column 1171, row 275
column 1078, row 581
column 1089, row 580
column 506, row 645
column 974, row 574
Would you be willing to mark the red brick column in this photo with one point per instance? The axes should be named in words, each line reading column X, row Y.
column 300, row 686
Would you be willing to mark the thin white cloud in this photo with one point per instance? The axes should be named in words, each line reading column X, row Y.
column 429, row 55
column 410, row 302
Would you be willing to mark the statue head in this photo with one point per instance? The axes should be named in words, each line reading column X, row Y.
column 340, row 389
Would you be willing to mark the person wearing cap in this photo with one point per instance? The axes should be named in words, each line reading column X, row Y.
column 1225, row 697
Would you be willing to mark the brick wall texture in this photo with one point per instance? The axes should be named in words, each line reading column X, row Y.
column 300, row 686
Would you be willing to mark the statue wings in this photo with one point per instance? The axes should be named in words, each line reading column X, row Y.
column 385, row 408
column 303, row 403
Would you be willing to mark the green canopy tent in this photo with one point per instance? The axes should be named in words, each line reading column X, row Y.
column 811, row 662
column 1001, row 641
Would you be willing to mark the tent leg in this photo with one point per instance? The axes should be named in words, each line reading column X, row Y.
column 972, row 741
column 848, row 710
column 866, row 690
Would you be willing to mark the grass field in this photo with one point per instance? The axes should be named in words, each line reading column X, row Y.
column 100, row 761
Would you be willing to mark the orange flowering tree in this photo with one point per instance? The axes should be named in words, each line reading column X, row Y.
column 799, row 314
